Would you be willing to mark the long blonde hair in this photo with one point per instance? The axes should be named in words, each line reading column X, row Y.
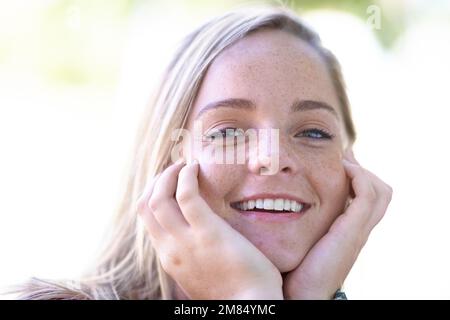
column 128, row 267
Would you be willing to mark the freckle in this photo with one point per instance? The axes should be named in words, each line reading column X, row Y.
column 176, row 261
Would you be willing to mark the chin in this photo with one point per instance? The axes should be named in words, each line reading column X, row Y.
column 284, row 259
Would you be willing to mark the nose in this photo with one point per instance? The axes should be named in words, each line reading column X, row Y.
column 272, row 154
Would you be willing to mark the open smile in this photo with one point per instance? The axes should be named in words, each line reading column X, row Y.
column 272, row 207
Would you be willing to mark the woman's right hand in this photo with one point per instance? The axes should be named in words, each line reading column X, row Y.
column 202, row 253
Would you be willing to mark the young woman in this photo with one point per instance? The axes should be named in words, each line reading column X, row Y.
column 287, row 222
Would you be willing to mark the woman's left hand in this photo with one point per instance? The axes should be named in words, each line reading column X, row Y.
column 323, row 270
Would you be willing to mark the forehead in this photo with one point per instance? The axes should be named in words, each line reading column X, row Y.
column 270, row 67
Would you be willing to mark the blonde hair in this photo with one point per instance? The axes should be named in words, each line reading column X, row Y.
column 128, row 267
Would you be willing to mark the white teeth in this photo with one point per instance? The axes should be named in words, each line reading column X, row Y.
column 297, row 208
column 287, row 205
column 278, row 204
column 270, row 204
column 259, row 204
column 293, row 205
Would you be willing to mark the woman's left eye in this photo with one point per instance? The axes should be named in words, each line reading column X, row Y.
column 316, row 134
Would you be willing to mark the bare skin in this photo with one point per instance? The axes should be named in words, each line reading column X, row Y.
column 201, row 239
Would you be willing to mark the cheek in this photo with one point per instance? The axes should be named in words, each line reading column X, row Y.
column 331, row 185
column 216, row 183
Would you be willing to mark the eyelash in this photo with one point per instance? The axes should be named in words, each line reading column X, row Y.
column 222, row 132
column 324, row 134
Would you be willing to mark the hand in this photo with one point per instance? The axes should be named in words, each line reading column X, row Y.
column 205, row 256
column 324, row 269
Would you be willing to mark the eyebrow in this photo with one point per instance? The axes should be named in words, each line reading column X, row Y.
column 248, row 105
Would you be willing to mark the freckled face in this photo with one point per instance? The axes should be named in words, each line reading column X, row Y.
column 273, row 69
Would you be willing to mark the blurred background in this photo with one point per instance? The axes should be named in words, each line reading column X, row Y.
column 76, row 74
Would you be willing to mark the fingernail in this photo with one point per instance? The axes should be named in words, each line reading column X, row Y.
column 195, row 162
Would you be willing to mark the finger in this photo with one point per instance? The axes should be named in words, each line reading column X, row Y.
column 357, row 214
column 384, row 197
column 370, row 202
column 194, row 207
column 163, row 204
column 144, row 211
column 383, row 191
column 381, row 188
column 147, row 193
column 360, row 182
column 155, row 231
column 350, row 156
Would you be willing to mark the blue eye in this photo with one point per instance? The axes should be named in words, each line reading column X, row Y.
column 316, row 134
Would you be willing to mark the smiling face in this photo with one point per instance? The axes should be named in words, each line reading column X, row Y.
column 283, row 84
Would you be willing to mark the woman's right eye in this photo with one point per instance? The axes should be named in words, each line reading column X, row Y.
column 225, row 134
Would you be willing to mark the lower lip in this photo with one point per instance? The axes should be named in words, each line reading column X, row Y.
column 272, row 217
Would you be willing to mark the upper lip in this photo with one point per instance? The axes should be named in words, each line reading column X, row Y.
column 271, row 196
